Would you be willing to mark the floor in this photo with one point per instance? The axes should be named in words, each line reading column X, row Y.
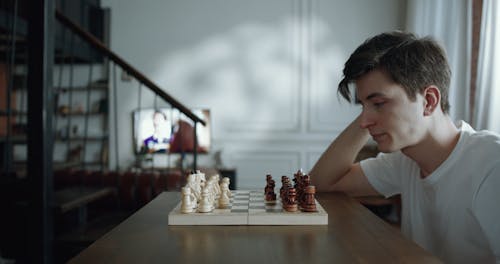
column 70, row 241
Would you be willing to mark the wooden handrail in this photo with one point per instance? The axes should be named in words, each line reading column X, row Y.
column 96, row 43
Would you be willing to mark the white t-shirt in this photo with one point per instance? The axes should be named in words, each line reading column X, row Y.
column 454, row 212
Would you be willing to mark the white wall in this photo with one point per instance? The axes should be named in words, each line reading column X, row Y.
column 267, row 69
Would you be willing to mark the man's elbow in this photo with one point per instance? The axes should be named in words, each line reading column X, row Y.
column 324, row 185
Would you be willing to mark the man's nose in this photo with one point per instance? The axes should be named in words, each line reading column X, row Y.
column 366, row 119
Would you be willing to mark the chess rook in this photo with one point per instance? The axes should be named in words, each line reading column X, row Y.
column 309, row 200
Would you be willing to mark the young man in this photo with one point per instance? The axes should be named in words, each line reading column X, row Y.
column 448, row 176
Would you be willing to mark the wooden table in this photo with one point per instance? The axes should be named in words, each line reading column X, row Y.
column 353, row 235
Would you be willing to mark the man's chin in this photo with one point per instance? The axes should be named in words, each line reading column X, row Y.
column 384, row 148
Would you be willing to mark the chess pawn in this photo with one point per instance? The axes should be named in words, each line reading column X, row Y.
column 224, row 201
column 290, row 204
column 187, row 201
column 309, row 201
column 227, row 181
column 205, row 206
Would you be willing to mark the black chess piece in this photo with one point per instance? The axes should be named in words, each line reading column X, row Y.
column 290, row 203
column 270, row 195
column 309, row 199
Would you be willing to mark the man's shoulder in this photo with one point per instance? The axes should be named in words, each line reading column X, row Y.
column 481, row 152
column 486, row 136
column 484, row 141
column 480, row 136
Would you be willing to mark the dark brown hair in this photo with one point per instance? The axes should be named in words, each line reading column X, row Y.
column 414, row 63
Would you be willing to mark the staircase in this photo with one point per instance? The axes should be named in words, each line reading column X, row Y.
column 56, row 184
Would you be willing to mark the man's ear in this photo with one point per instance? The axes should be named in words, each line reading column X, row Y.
column 432, row 99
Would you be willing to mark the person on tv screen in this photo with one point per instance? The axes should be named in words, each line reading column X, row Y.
column 159, row 140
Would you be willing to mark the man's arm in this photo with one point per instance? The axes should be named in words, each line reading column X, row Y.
column 335, row 169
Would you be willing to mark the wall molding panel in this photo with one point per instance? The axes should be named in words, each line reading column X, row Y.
column 266, row 69
column 254, row 165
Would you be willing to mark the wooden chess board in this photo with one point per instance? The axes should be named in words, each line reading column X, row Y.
column 249, row 208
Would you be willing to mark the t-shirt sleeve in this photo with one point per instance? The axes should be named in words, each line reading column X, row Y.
column 382, row 174
column 486, row 209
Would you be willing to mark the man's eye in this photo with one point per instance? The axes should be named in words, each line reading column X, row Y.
column 378, row 105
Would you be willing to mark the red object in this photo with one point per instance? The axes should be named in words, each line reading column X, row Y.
column 183, row 139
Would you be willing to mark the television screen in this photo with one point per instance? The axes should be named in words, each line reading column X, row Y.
column 167, row 130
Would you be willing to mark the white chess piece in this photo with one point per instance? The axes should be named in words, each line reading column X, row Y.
column 187, row 201
column 224, row 198
column 228, row 181
column 200, row 179
column 205, row 206
column 195, row 188
column 215, row 185
column 212, row 191
column 217, row 181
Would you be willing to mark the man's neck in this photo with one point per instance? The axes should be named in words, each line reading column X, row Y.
column 441, row 138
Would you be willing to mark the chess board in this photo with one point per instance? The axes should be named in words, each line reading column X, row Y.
column 249, row 208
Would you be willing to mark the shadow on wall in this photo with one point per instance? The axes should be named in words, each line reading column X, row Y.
column 253, row 75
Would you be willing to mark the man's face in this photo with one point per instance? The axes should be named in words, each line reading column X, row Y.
column 394, row 121
column 158, row 119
